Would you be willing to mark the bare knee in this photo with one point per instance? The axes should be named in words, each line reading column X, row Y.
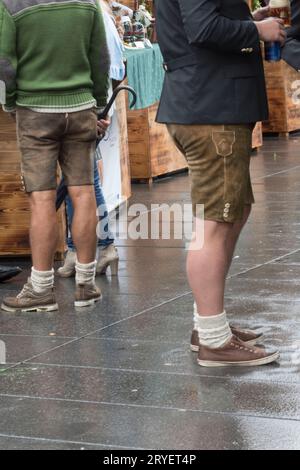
column 217, row 231
column 42, row 200
column 246, row 215
column 239, row 225
column 82, row 194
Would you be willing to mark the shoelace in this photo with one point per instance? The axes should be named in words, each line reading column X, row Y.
column 25, row 289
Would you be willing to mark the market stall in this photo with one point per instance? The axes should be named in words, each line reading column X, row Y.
column 151, row 150
column 283, row 95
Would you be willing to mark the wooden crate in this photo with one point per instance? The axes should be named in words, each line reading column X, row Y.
column 14, row 208
column 151, row 149
column 257, row 137
column 284, row 110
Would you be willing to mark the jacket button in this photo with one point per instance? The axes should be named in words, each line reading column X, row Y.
column 247, row 50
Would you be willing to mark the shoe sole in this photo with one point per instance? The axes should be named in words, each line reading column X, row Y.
column 253, row 342
column 87, row 303
column 39, row 308
column 257, row 362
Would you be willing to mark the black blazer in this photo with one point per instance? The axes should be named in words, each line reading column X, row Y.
column 212, row 53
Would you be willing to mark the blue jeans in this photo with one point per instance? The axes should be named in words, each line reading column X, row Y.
column 106, row 237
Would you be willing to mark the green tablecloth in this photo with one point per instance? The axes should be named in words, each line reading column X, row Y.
column 145, row 74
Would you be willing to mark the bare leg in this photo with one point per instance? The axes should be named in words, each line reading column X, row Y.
column 207, row 268
column 234, row 234
column 43, row 229
column 84, row 222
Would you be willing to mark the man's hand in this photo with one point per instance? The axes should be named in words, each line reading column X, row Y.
column 102, row 127
column 271, row 30
column 261, row 14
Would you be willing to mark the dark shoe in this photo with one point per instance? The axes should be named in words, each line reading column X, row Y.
column 7, row 273
column 30, row 301
column 86, row 295
column 235, row 353
column 248, row 337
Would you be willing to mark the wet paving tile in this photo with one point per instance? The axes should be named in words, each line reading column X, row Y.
column 136, row 388
column 27, row 443
column 20, row 348
column 144, row 428
column 121, row 375
column 73, row 323
column 242, row 286
column 170, row 357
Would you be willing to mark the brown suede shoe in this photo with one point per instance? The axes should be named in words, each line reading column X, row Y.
column 235, row 353
column 86, row 295
column 248, row 337
column 30, row 301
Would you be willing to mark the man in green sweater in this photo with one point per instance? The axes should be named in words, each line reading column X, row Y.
column 54, row 66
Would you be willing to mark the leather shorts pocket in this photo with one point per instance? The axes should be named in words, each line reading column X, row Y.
column 224, row 142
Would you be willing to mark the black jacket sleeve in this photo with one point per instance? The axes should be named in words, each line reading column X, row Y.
column 205, row 26
column 294, row 31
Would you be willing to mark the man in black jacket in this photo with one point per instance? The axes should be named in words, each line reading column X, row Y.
column 214, row 92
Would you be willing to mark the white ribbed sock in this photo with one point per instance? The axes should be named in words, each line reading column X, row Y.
column 214, row 331
column 85, row 273
column 42, row 280
column 195, row 316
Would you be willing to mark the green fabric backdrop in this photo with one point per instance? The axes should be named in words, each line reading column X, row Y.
column 145, row 74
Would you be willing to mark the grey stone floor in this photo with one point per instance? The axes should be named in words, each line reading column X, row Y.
column 121, row 376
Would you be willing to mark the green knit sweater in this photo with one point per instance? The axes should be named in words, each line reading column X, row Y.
column 53, row 54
